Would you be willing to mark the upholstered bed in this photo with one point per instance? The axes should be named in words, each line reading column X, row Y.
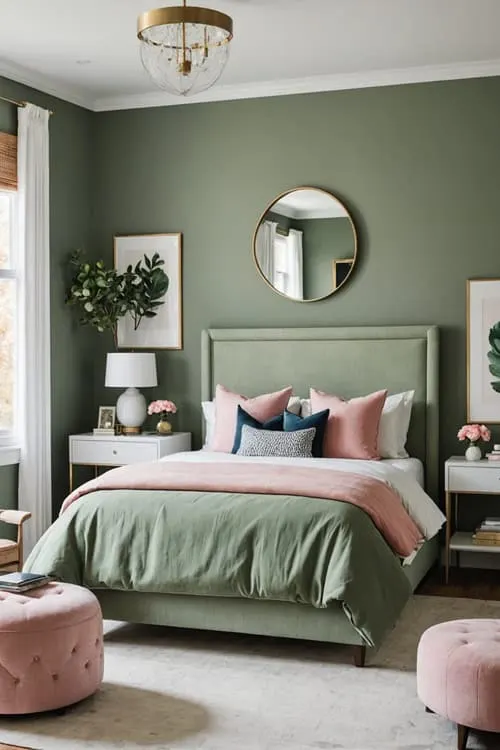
column 349, row 361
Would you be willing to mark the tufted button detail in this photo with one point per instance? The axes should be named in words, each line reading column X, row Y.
column 55, row 661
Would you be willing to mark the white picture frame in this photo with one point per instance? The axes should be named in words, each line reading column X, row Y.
column 164, row 331
column 483, row 312
column 107, row 418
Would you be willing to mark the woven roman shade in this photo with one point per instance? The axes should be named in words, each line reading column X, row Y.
column 8, row 161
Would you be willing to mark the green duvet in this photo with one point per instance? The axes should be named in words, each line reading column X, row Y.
column 276, row 547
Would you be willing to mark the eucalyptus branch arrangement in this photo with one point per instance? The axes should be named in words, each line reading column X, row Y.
column 103, row 296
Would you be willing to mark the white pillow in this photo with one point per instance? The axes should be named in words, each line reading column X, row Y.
column 208, row 408
column 305, row 407
column 394, row 423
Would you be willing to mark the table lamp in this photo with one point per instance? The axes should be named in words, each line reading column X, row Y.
column 131, row 370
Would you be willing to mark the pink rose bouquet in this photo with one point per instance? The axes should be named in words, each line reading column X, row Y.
column 162, row 407
column 473, row 433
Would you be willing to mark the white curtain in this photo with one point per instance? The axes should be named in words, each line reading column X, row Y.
column 295, row 286
column 33, row 397
column 264, row 248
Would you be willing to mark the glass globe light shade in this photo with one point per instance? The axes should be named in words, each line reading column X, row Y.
column 184, row 49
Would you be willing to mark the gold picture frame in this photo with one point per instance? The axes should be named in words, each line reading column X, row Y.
column 341, row 268
column 164, row 331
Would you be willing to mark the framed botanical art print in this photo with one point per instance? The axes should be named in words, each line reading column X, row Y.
column 483, row 350
column 164, row 331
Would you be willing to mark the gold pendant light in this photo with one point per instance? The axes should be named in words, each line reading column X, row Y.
column 184, row 49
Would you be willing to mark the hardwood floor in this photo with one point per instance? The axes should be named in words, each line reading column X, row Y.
column 471, row 583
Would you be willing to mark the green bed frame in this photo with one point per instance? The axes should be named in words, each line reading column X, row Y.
column 347, row 361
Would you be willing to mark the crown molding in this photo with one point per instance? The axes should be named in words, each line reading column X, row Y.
column 263, row 89
column 309, row 213
column 42, row 83
column 313, row 84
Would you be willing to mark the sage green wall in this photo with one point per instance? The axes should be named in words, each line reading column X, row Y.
column 71, row 184
column 323, row 240
column 8, row 485
column 416, row 165
column 283, row 222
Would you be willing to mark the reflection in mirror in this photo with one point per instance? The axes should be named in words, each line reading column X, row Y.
column 305, row 244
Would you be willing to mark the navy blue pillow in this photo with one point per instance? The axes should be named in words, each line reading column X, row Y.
column 243, row 417
column 292, row 422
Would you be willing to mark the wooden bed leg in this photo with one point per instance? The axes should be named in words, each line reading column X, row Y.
column 359, row 655
column 462, row 737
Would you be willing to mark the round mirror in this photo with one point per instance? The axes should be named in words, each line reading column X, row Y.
column 305, row 244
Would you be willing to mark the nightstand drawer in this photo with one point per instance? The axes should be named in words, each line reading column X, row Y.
column 112, row 453
column 464, row 479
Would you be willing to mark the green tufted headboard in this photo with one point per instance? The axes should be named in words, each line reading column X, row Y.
column 346, row 361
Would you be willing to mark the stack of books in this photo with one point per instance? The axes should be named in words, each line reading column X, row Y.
column 104, row 430
column 495, row 453
column 19, row 583
column 488, row 534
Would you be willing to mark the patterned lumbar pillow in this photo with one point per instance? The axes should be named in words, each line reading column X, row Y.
column 255, row 442
column 276, row 423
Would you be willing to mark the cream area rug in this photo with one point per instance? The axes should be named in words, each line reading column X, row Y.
column 191, row 690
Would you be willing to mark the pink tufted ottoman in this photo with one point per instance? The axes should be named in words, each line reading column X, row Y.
column 51, row 649
column 458, row 674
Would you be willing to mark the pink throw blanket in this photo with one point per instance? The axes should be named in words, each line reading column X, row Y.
column 376, row 498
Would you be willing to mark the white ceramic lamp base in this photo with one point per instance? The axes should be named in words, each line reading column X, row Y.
column 131, row 410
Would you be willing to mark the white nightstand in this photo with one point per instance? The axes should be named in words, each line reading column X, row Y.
column 116, row 450
column 467, row 478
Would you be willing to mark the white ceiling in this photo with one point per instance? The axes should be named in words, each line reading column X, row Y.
column 86, row 50
column 309, row 204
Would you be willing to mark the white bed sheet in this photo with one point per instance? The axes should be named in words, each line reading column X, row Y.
column 419, row 506
column 411, row 466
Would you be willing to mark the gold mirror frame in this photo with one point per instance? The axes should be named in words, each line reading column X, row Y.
column 354, row 258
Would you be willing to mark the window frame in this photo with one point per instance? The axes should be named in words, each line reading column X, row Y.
column 9, row 452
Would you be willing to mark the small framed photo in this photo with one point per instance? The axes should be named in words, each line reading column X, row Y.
column 107, row 418
column 483, row 350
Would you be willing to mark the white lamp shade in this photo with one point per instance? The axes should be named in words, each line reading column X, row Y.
column 131, row 370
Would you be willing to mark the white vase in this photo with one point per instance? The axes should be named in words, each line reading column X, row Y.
column 473, row 453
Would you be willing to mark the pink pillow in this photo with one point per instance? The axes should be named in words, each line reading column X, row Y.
column 263, row 407
column 352, row 427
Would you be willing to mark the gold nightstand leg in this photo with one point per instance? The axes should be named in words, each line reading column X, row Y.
column 448, row 537
column 71, row 477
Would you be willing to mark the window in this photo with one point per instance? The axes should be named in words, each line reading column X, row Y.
column 288, row 264
column 8, row 289
column 281, row 264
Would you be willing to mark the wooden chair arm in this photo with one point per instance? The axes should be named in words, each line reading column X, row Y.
column 17, row 517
